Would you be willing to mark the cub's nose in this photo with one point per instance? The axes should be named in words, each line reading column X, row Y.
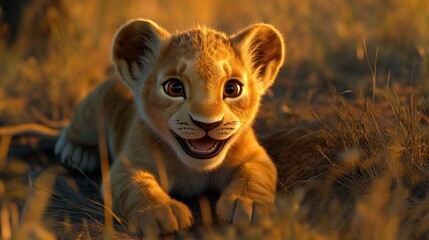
column 206, row 126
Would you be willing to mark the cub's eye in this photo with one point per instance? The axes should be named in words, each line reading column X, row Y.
column 232, row 89
column 174, row 88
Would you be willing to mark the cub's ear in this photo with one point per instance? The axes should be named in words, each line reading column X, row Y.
column 136, row 48
column 262, row 48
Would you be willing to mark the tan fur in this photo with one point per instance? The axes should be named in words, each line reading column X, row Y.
column 140, row 120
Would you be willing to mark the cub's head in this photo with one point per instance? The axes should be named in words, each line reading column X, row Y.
column 198, row 89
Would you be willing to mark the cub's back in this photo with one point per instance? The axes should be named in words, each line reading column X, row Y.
column 118, row 110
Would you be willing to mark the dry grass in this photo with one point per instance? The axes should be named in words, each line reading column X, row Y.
column 353, row 164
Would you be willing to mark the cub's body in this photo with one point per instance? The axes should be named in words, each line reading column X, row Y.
column 181, row 123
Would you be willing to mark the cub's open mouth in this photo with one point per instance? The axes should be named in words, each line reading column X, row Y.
column 205, row 147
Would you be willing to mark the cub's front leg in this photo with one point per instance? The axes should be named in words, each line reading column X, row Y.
column 250, row 195
column 144, row 205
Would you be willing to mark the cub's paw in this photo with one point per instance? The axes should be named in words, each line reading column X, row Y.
column 160, row 219
column 237, row 209
column 76, row 156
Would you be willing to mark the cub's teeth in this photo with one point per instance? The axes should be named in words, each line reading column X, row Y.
column 207, row 151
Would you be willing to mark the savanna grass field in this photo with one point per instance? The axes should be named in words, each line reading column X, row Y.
column 346, row 122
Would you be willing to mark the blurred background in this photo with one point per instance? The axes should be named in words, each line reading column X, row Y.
column 53, row 52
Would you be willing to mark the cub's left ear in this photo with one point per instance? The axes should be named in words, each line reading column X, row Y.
column 136, row 47
column 262, row 48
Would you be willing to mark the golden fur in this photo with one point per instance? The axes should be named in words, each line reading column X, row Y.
column 199, row 130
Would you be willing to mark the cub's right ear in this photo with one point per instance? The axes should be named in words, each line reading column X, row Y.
column 136, row 47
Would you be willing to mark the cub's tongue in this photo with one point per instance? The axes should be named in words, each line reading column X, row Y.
column 205, row 143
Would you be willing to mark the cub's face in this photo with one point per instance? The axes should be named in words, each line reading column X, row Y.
column 199, row 99
column 198, row 89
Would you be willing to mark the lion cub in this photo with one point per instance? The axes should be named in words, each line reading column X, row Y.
column 187, row 106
